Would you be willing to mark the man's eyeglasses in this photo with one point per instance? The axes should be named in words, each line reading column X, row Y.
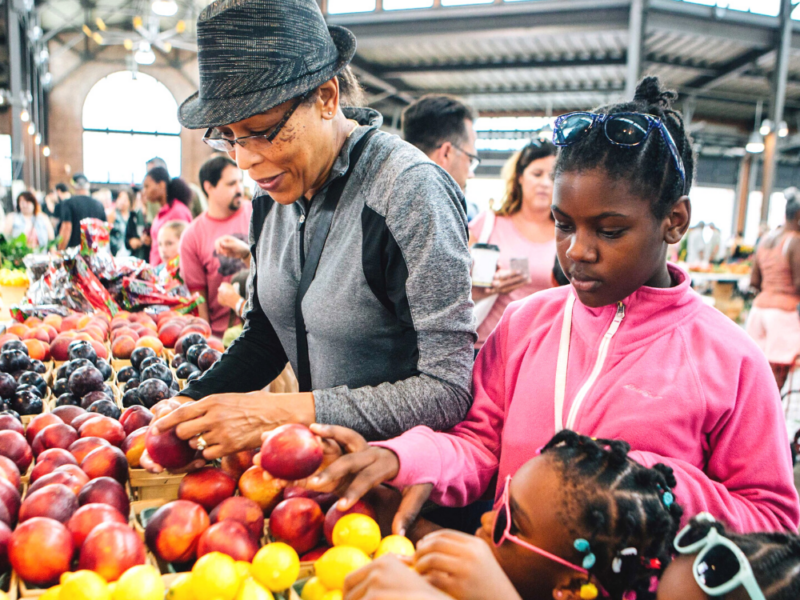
column 502, row 532
column 720, row 566
column 474, row 160
column 260, row 141
column 621, row 129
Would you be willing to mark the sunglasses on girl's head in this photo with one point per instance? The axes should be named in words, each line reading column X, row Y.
column 720, row 566
column 621, row 129
column 501, row 532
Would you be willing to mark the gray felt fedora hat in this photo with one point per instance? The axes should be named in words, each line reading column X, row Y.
column 257, row 54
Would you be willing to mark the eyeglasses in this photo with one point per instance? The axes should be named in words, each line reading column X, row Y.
column 720, row 566
column 260, row 141
column 501, row 532
column 475, row 160
column 621, row 129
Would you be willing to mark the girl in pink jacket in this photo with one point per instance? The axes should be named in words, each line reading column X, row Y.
column 627, row 351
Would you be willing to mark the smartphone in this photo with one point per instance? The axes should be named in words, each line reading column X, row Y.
column 484, row 264
column 521, row 266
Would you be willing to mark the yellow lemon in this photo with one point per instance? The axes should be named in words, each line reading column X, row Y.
column 142, row 582
column 395, row 544
column 359, row 531
column 4, row 596
column 337, row 563
column 252, row 590
column 181, row 588
column 214, row 577
column 243, row 569
column 84, row 585
column 333, row 595
column 54, row 593
column 276, row 566
column 313, row 590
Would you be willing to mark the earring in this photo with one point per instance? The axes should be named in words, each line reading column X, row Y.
column 330, row 113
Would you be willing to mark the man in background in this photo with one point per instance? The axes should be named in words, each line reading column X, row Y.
column 443, row 127
column 228, row 216
column 75, row 209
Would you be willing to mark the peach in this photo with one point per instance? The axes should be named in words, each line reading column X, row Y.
column 242, row 510
column 38, row 349
column 169, row 335
column 59, row 349
column 48, row 460
column 236, row 464
column 14, row 446
column 52, row 332
column 216, row 344
column 75, row 471
column 228, row 537
column 126, row 330
column 68, row 413
column 40, row 550
column 10, row 472
column 123, row 346
column 89, row 516
column 105, row 490
column 133, row 447
column 39, row 422
column 78, row 421
column 10, row 501
column 32, row 322
column 103, row 427
column 70, row 322
column 54, row 321
column 264, row 491
column 7, row 337
column 106, row 461
column 37, row 334
column 54, row 501
column 80, row 448
column 100, row 349
column 135, row 417
column 58, row 435
column 111, row 549
column 83, row 321
column 8, row 422
column 167, row 449
column 18, row 329
column 297, row 522
column 175, row 529
column 151, row 342
column 62, row 477
column 96, row 334
column 207, row 487
column 204, row 331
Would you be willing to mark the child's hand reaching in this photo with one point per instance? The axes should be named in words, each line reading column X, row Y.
column 388, row 578
column 462, row 566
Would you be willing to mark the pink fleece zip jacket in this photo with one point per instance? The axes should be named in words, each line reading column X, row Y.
column 681, row 383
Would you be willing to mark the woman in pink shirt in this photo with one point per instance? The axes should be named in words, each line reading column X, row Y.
column 523, row 230
column 173, row 195
column 627, row 351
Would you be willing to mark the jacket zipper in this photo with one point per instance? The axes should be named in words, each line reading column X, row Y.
column 301, row 228
column 598, row 366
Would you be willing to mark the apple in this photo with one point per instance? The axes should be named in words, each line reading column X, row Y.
column 106, row 461
column 244, row 511
column 40, row 550
column 267, row 492
column 207, row 486
column 105, row 490
column 334, row 514
column 14, row 446
column 111, row 549
column 228, row 537
column 48, row 460
column 291, row 452
column 54, row 501
column 175, row 529
column 38, row 423
column 167, row 449
column 297, row 522
column 135, row 417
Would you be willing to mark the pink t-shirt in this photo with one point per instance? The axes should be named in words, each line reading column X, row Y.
column 177, row 212
column 512, row 244
column 203, row 270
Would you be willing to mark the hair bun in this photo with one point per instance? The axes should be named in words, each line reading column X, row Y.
column 650, row 92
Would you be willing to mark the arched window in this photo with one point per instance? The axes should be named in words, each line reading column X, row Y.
column 129, row 118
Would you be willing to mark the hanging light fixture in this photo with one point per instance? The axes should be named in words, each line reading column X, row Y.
column 24, row 116
column 165, row 8
column 38, row 139
column 31, row 129
column 766, row 127
column 756, row 143
column 46, row 151
column 783, row 129
column 144, row 55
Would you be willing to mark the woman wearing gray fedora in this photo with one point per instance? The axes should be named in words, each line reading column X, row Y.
column 360, row 272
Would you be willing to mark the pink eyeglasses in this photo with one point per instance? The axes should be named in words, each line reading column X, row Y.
column 502, row 532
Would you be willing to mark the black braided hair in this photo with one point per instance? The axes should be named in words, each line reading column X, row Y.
column 649, row 168
column 774, row 557
column 620, row 505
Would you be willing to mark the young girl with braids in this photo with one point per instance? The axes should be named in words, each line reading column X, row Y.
column 713, row 563
column 627, row 351
column 578, row 521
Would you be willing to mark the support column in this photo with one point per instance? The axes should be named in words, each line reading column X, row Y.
column 15, row 64
column 742, row 194
column 779, row 79
column 636, row 27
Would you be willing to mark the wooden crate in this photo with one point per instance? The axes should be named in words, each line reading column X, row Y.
column 154, row 486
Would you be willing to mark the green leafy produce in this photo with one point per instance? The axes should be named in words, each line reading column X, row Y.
column 13, row 251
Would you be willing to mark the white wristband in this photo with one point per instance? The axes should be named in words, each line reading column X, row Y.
column 240, row 306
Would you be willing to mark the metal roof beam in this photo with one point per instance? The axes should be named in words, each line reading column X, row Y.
column 510, row 63
column 731, row 69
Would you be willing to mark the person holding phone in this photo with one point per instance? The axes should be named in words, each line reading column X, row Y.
column 521, row 234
